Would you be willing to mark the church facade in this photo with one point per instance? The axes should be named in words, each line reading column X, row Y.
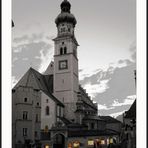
column 52, row 110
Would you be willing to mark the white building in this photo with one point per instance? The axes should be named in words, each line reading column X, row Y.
column 52, row 108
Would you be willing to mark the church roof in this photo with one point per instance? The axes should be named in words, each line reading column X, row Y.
column 131, row 113
column 65, row 15
column 109, row 119
column 33, row 78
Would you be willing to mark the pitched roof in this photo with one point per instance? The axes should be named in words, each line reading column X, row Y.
column 33, row 78
column 109, row 119
column 93, row 118
column 131, row 113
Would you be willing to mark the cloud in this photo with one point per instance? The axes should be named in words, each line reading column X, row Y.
column 28, row 38
column 132, row 49
column 115, row 115
column 13, row 81
column 24, row 57
column 128, row 101
column 92, row 90
column 113, row 89
column 104, row 107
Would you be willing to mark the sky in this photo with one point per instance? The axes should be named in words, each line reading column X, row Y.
column 106, row 33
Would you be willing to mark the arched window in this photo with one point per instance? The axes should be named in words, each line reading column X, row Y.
column 47, row 110
column 65, row 50
column 25, row 99
column 61, row 51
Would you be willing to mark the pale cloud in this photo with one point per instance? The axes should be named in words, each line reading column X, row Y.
column 87, row 72
column 92, row 90
column 13, row 81
column 128, row 101
column 114, row 115
column 104, row 107
column 45, row 60
column 14, row 59
column 25, row 59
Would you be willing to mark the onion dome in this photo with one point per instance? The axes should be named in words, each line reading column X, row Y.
column 65, row 15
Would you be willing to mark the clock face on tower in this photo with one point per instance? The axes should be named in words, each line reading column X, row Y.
column 63, row 64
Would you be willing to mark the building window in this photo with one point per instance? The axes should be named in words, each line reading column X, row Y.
column 92, row 125
column 47, row 146
column 37, row 118
column 38, row 104
column 36, row 134
column 47, row 110
column 25, row 115
column 61, row 51
column 46, row 128
column 25, row 99
column 65, row 50
column 46, row 100
column 90, row 142
column 25, row 130
column 76, row 144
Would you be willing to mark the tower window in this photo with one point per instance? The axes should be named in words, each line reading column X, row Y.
column 37, row 118
column 61, row 51
column 38, row 104
column 25, row 99
column 25, row 130
column 65, row 50
column 25, row 115
column 47, row 110
column 69, row 29
column 62, row 43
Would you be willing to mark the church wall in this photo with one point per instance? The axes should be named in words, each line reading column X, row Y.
column 32, row 107
column 50, row 119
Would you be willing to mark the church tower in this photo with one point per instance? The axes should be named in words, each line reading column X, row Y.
column 66, row 61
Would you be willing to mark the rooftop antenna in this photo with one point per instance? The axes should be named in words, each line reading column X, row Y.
column 135, row 78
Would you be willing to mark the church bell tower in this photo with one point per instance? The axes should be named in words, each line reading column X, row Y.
column 66, row 61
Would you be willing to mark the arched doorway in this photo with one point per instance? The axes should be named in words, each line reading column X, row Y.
column 59, row 141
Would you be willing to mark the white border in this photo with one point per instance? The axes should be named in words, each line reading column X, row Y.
column 141, row 74
column 6, row 73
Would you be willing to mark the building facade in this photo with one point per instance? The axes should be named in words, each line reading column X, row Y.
column 52, row 110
